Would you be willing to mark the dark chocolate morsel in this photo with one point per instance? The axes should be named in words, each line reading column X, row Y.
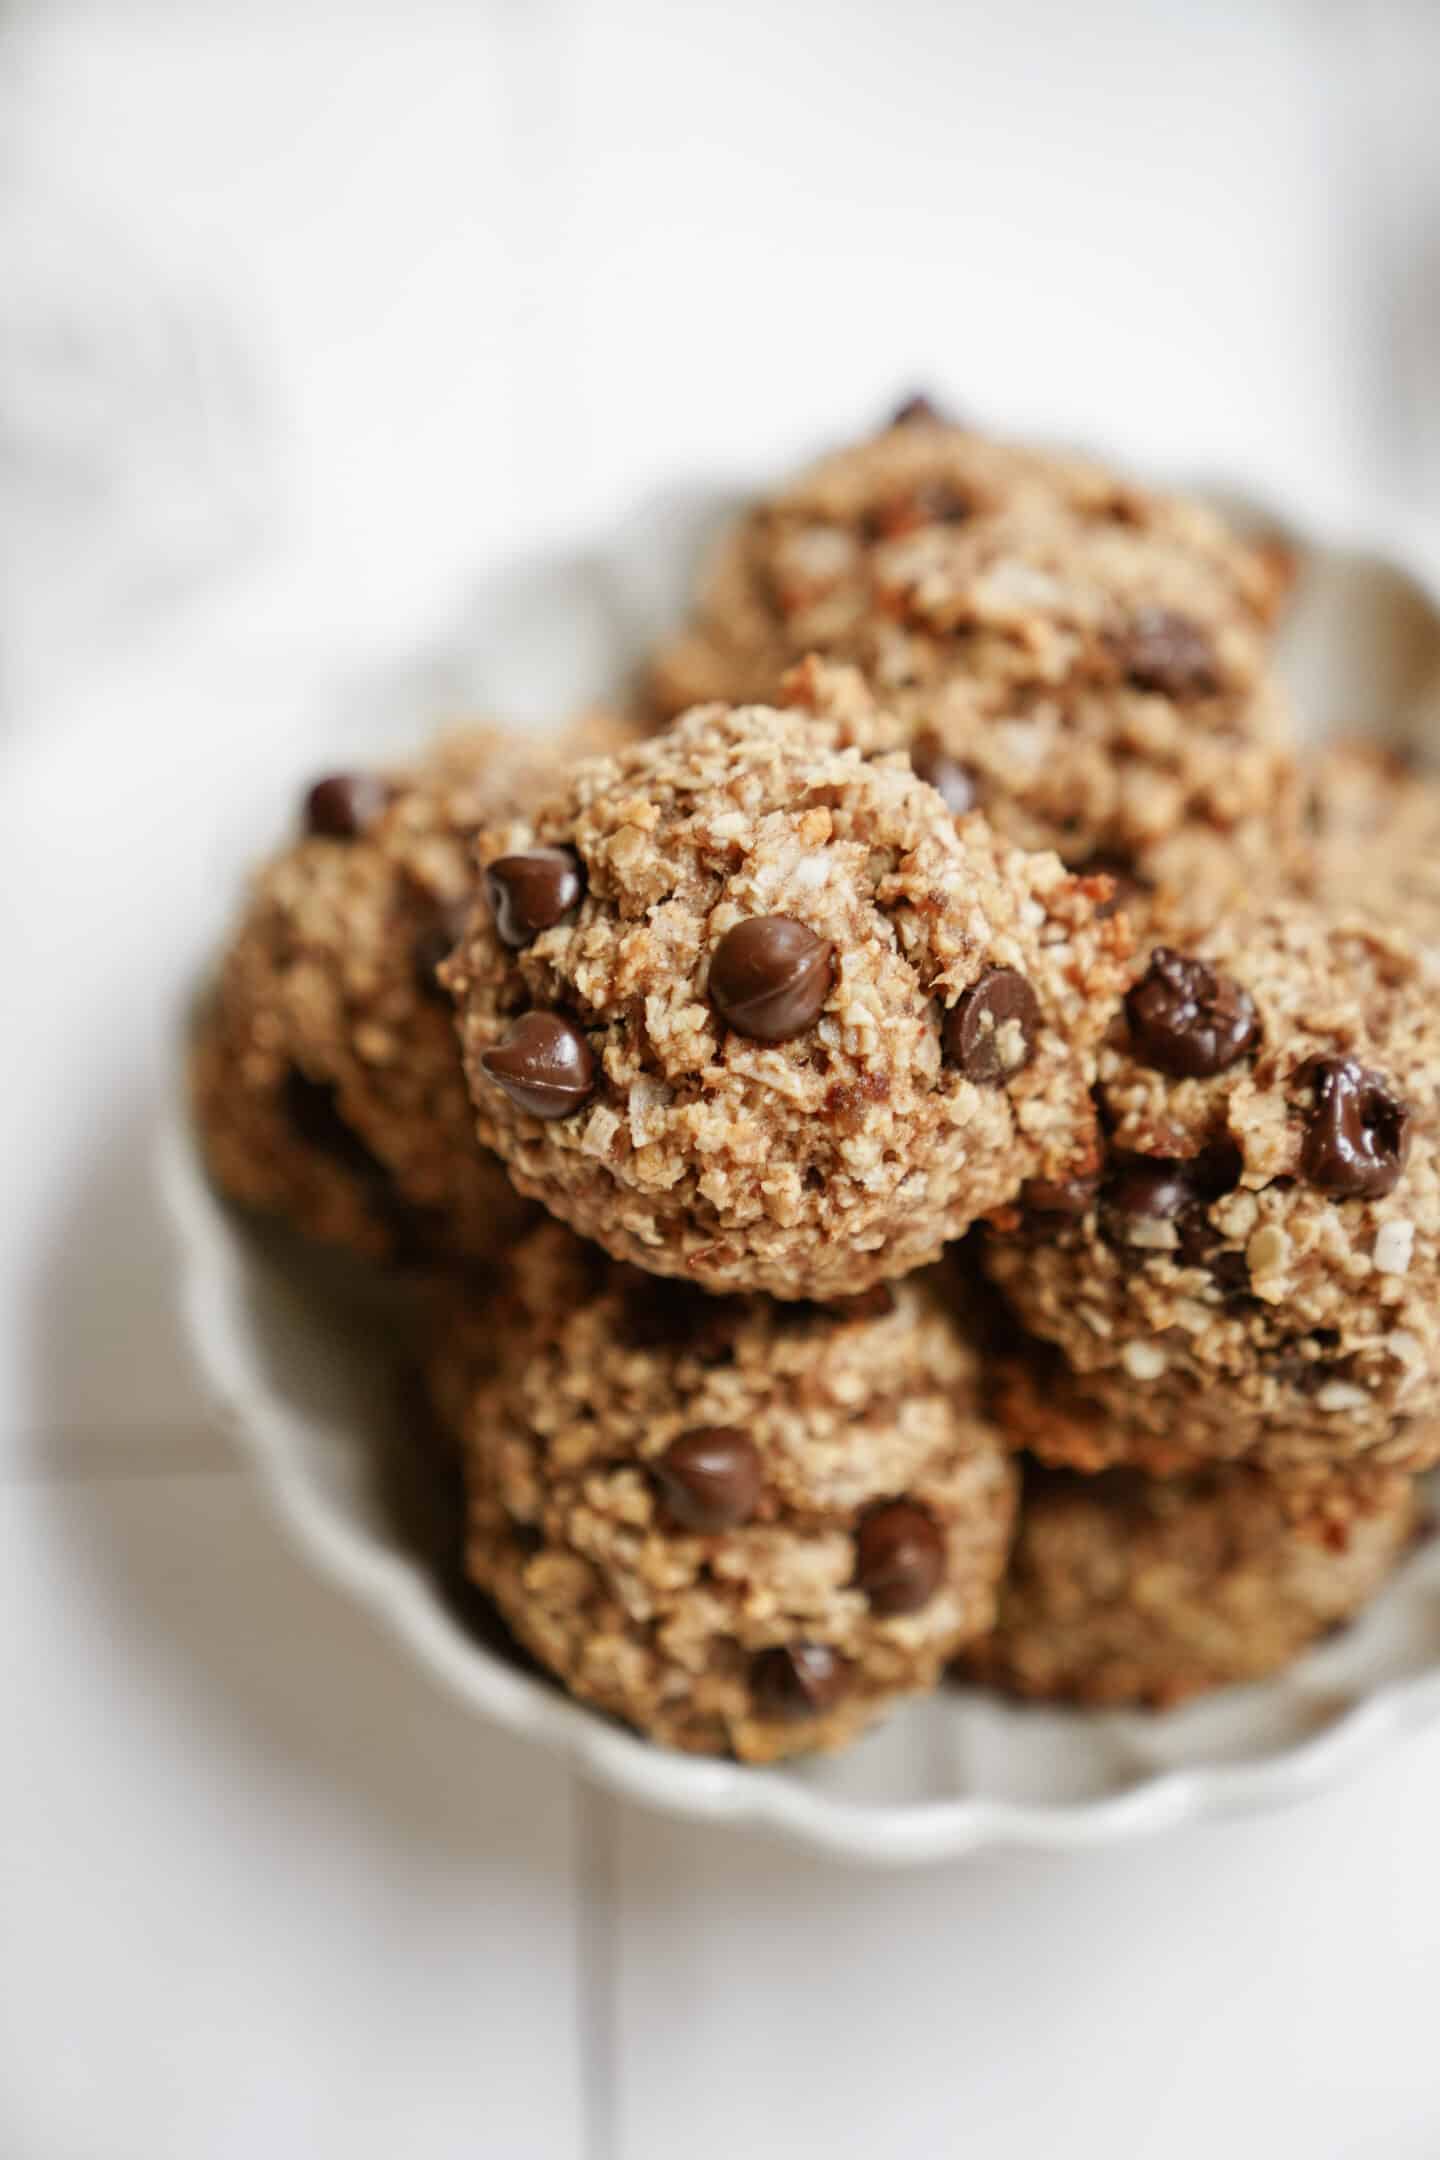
column 797, row 1680
column 1166, row 652
column 770, row 977
column 544, row 1064
column 990, row 1032
column 710, row 1478
column 1357, row 1132
column 899, row 1557
column 343, row 805
column 1187, row 1020
column 532, row 892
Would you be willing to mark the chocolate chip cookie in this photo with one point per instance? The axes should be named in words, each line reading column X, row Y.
column 748, row 1006
column 1085, row 660
column 326, row 1072
column 744, row 1527
column 1125, row 1590
column 1372, row 839
column 1253, row 1274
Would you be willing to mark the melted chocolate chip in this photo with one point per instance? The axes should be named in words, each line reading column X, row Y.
column 532, row 892
column 770, row 977
column 899, row 1557
column 544, row 1064
column 1187, row 1020
column 1149, row 1189
column 1166, row 652
column 990, row 1032
column 1357, row 1135
column 344, row 805
column 710, row 1478
column 955, row 782
column 797, row 1680
column 434, row 945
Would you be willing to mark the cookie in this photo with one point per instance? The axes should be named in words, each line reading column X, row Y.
column 1083, row 659
column 1129, row 1591
column 1372, row 839
column 326, row 1075
column 743, row 1527
column 748, row 1007
column 1254, row 1274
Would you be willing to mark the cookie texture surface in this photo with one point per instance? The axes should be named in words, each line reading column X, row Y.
column 326, row 1073
column 1254, row 1274
column 1083, row 659
column 748, row 1006
column 743, row 1527
column 1125, row 1590
column 1372, row 839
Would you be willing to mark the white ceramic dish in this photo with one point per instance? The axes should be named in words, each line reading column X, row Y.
column 299, row 1379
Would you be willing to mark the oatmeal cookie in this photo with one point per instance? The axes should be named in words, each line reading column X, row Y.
column 1125, row 1590
column 1085, row 660
column 1372, row 839
column 1254, row 1274
column 750, row 1007
column 743, row 1527
column 326, row 1074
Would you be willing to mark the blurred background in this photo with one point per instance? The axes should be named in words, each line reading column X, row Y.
column 310, row 318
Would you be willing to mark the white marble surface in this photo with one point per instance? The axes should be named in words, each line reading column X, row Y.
column 306, row 317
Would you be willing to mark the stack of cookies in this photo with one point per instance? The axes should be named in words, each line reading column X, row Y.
column 922, row 1136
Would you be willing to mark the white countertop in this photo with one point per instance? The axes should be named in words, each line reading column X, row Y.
column 307, row 317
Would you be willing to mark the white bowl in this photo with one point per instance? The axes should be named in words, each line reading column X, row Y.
column 299, row 1375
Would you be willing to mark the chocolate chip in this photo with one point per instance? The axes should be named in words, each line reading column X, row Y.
column 710, row 1478
column 957, row 783
column 770, row 977
column 1187, row 1020
column 1059, row 1196
column 532, row 892
column 918, row 410
column 1357, row 1135
column 1145, row 1189
column 435, row 943
column 797, row 1680
column 1166, row 652
column 1149, row 1188
column 990, row 1032
column 343, row 805
column 876, row 1303
column 899, row 1557
column 544, row 1064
